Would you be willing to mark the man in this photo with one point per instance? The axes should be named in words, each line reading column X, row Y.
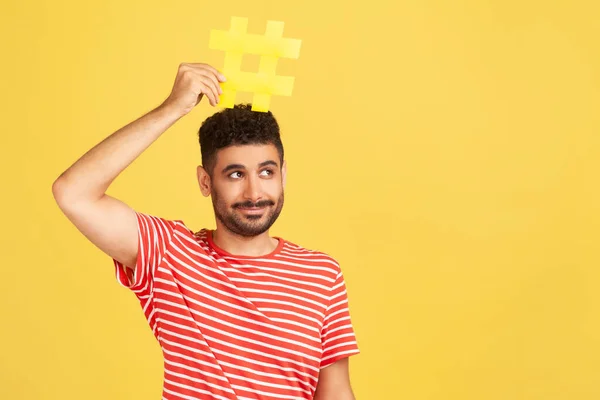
column 238, row 314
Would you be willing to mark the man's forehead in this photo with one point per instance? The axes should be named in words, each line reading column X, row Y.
column 250, row 155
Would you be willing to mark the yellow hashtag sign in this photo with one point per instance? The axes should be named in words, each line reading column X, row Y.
column 271, row 46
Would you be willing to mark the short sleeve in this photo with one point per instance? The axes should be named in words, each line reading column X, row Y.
column 337, row 336
column 154, row 237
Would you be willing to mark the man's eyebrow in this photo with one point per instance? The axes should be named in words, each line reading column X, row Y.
column 268, row 162
column 231, row 167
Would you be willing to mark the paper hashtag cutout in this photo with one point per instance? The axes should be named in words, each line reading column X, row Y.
column 271, row 46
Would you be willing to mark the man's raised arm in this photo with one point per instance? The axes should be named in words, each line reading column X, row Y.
column 80, row 191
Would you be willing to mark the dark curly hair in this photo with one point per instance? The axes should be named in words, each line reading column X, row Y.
column 237, row 126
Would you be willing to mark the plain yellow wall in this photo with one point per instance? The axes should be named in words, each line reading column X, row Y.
column 447, row 153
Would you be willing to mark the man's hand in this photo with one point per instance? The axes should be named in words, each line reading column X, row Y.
column 193, row 81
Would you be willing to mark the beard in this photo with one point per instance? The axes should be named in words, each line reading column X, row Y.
column 247, row 225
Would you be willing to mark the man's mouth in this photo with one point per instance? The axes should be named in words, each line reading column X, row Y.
column 252, row 210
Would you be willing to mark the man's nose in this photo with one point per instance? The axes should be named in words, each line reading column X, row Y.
column 252, row 190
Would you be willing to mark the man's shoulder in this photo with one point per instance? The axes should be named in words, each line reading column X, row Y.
column 310, row 255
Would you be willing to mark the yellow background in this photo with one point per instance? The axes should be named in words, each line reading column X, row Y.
column 445, row 152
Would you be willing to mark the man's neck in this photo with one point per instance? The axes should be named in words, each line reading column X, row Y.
column 254, row 246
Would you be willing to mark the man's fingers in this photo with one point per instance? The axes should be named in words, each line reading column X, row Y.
column 206, row 77
column 200, row 66
column 210, row 79
column 209, row 92
column 214, row 88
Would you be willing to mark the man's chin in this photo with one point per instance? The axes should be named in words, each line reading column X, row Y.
column 249, row 231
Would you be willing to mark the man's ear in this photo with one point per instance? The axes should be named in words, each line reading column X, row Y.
column 284, row 173
column 203, row 180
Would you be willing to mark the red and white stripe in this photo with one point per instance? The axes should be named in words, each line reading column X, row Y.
column 237, row 327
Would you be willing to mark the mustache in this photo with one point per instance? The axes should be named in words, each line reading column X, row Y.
column 249, row 204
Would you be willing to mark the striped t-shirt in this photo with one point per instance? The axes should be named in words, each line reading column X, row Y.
column 238, row 327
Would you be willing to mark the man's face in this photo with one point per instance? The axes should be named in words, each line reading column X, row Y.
column 247, row 188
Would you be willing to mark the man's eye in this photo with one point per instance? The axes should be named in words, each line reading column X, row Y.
column 267, row 171
column 236, row 174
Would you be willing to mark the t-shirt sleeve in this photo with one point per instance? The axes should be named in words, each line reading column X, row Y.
column 337, row 336
column 154, row 238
